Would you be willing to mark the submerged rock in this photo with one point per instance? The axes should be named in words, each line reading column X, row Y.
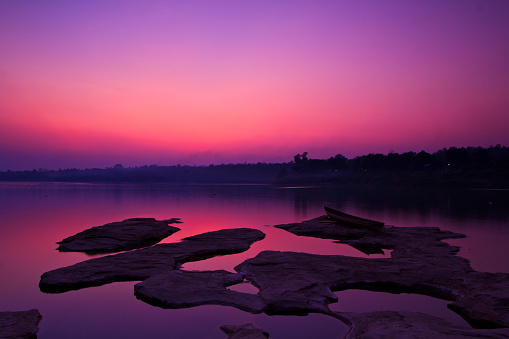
column 21, row 324
column 119, row 236
column 146, row 262
column 181, row 289
column 244, row 331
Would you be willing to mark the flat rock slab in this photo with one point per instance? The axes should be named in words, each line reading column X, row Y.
column 299, row 283
column 119, row 236
column 244, row 331
column 182, row 289
column 420, row 263
column 483, row 299
column 423, row 243
column 391, row 324
column 143, row 263
column 21, row 324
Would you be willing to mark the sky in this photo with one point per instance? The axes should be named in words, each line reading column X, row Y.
column 94, row 83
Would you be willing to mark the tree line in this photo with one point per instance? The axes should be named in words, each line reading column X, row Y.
column 225, row 173
column 471, row 162
column 494, row 157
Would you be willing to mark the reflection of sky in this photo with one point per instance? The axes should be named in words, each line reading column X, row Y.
column 85, row 84
column 35, row 217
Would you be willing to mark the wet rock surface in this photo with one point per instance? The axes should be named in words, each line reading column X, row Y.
column 21, row 324
column 143, row 263
column 119, row 236
column 244, row 331
column 180, row 289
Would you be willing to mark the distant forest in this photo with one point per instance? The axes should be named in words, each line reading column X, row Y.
column 473, row 167
column 467, row 167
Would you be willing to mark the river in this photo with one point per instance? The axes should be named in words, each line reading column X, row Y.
column 34, row 216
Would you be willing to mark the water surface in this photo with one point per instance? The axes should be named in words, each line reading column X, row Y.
column 36, row 215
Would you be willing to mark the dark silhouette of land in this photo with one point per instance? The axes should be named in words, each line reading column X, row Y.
column 229, row 173
column 474, row 167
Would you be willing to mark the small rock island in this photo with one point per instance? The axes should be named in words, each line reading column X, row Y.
column 119, row 236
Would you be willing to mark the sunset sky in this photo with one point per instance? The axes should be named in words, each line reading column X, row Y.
column 94, row 83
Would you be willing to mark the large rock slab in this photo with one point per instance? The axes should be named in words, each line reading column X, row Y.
column 182, row 289
column 483, row 299
column 146, row 262
column 421, row 263
column 244, row 331
column 21, row 324
column 299, row 283
column 391, row 324
column 423, row 243
column 119, row 236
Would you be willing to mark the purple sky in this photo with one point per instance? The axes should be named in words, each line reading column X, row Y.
column 95, row 83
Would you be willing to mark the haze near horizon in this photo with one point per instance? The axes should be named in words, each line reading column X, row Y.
column 95, row 83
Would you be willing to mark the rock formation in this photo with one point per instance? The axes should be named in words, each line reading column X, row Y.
column 143, row 263
column 244, row 331
column 21, row 324
column 420, row 263
column 295, row 283
column 391, row 324
column 180, row 289
column 119, row 236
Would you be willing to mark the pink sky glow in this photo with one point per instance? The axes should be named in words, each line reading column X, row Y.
column 95, row 83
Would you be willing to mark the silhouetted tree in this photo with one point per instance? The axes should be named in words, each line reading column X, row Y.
column 457, row 157
column 339, row 162
column 422, row 159
column 300, row 161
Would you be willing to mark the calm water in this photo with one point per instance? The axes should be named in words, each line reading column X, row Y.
column 35, row 216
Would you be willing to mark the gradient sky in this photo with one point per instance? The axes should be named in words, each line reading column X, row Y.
column 94, row 83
